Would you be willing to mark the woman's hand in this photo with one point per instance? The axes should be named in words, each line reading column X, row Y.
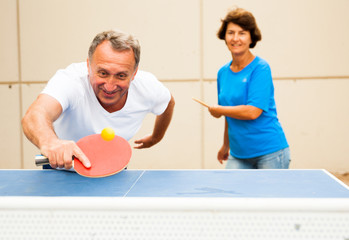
column 214, row 110
column 223, row 154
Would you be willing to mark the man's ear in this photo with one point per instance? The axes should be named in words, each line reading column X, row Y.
column 134, row 74
column 88, row 65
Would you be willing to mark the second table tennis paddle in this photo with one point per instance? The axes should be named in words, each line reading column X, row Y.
column 201, row 102
column 106, row 157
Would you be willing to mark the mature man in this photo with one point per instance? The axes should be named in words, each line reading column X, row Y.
column 106, row 91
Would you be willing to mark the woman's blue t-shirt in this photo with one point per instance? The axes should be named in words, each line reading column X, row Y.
column 251, row 86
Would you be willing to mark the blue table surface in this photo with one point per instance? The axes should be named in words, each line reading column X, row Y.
column 175, row 183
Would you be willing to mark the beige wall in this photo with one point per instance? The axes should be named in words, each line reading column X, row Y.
column 305, row 43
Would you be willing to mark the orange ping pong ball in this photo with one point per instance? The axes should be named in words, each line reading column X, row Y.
column 108, row 134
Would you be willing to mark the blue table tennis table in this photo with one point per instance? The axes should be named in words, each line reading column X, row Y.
column 174, row 204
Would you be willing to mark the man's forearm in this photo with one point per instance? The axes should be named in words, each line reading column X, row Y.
column 37, row 129
column 37, row 123
column 163, row 121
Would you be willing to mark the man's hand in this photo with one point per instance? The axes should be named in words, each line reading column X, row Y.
column 161, row 124
column 146, row 142
column 60, row 154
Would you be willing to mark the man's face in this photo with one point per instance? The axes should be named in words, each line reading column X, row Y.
column 111, row 73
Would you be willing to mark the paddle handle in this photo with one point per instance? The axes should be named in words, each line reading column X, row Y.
column 41, row 160
column 201, row 102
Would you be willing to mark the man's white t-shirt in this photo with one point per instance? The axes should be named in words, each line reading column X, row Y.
column 82, row 113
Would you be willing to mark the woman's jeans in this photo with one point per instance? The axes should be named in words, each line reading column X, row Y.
column 276, row 160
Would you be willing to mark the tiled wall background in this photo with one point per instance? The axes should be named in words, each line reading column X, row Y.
column 305, row 42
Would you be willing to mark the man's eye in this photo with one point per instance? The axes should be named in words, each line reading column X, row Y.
column 102, row 74
column 122, row 76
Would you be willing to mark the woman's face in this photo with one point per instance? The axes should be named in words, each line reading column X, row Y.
column 237, row 39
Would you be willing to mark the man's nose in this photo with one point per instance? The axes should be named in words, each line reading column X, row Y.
column 110, row 85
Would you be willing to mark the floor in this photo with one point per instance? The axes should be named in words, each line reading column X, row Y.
column 344, row 177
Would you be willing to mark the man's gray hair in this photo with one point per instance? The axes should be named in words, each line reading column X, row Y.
column 120, row 41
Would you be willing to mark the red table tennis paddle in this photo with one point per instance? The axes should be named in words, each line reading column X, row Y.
column 106, row 157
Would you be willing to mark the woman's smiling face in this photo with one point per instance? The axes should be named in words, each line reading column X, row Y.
column 237, row 39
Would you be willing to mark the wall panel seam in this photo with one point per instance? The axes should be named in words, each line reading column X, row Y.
column 197, row 80
column 201, row 37
column 20, row 86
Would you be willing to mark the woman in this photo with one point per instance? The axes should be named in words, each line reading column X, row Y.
column 252, row 131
